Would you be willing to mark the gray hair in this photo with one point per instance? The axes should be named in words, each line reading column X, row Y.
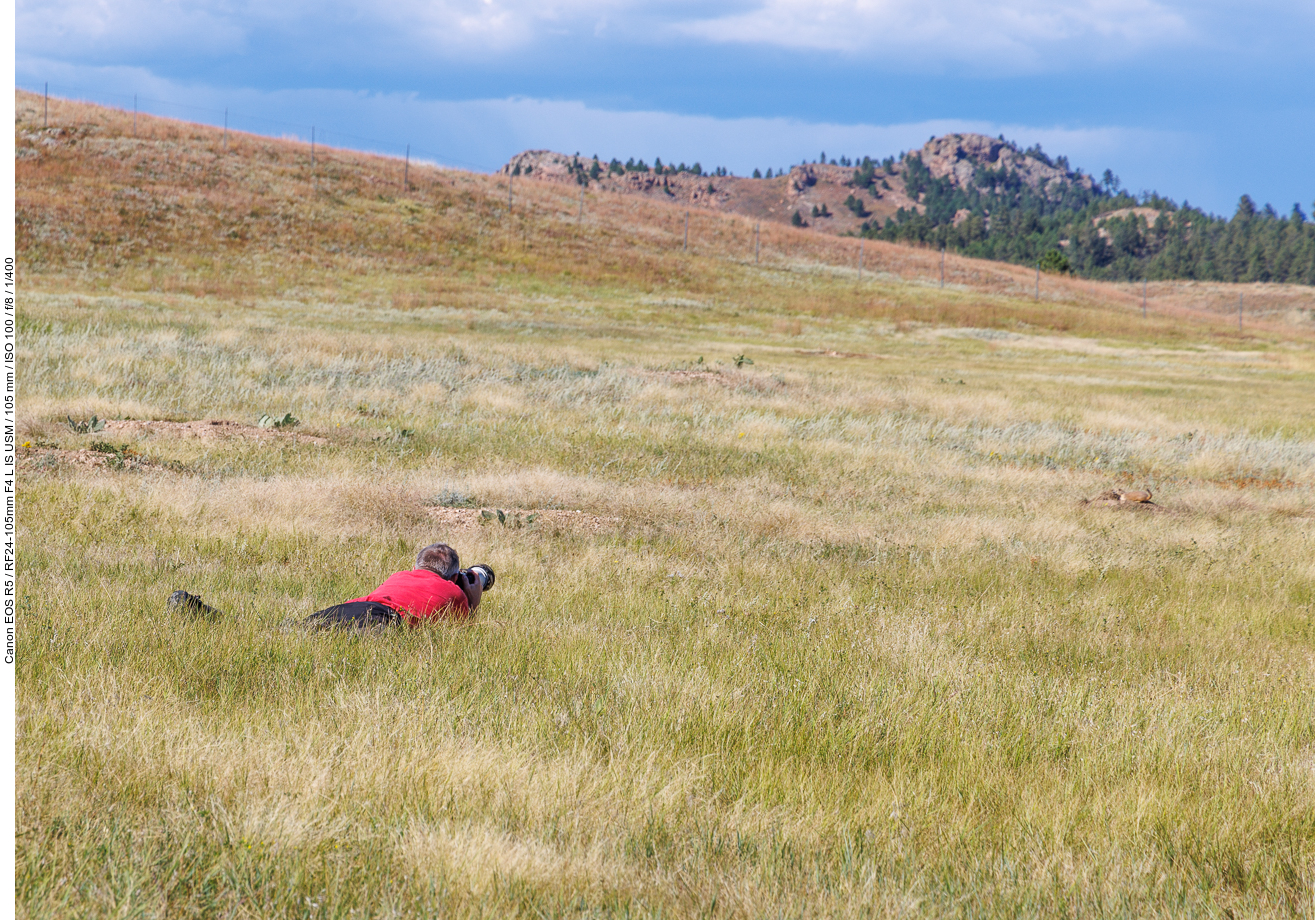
column 440, row 559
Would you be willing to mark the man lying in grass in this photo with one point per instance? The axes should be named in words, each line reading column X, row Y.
column 437, row 588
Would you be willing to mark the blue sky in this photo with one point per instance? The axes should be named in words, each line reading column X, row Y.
column 1199, row 100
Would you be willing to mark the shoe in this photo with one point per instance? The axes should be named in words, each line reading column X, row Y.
column 191, row 605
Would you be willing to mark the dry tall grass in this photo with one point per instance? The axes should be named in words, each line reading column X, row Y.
column 830, row 633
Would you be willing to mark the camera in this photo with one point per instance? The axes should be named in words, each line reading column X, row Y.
column 483, row 573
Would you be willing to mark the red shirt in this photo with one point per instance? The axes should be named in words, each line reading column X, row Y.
column 420, row 595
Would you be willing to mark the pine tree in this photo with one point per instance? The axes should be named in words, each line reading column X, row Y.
column 1055, row 262
column 757, row 174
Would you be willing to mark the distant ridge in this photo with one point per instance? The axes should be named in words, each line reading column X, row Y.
column 979, row 196
column 878, row 187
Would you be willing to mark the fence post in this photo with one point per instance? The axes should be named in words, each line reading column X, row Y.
column 580, row 218
column 510, row 178
column 225, row 130
column 756, row 228
column 1239, row 312
column 942, row 265
column 687, row 230
column 134, row 115
column 1143, row 298
column 312, row 146
column 1037, row 296
column 860, row 258
column 45, row 109
column 406, row 170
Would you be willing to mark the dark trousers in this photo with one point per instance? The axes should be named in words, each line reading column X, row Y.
column 356, row 615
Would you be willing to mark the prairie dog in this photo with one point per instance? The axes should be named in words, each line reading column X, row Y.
column 1140, row 495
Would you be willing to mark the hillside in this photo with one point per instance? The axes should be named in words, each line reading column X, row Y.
column 179, row 209
column 853, row 198
column 984, row 197
column 776, row 199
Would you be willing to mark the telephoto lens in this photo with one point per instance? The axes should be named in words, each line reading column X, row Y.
column 484, row 573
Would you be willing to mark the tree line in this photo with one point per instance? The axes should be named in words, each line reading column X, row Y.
column 586, row 171
column 1000, row 216
column 1073, row 224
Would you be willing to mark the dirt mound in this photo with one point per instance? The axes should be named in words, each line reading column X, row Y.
column 208, row 430
column 32, row 459
column 461, row 519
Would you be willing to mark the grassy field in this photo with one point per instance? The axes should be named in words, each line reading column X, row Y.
column 811, row 621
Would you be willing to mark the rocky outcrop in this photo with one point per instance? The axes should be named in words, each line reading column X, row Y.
column 542, row 164
column 958, row 156
column 1150, row 215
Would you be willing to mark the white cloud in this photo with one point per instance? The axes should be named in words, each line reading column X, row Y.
column 471, row 28
column 1009, row 35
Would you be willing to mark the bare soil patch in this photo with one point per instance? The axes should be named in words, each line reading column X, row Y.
column 209, row 430
column 462, row 519
column 31, row 459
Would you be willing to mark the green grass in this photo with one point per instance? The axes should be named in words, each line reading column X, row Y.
column 967, row 734
column 816, row 636
column 861, row 659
